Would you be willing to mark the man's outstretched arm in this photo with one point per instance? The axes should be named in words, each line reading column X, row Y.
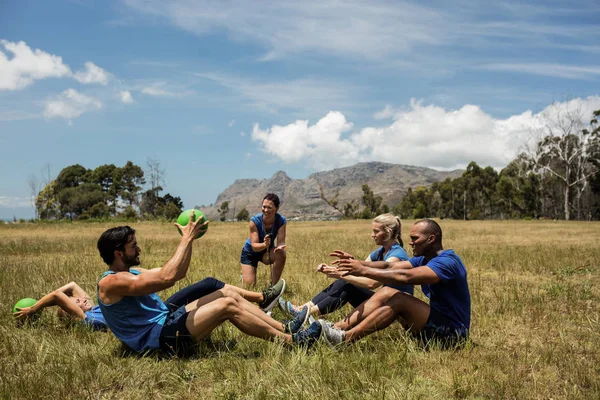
column 397, row 273
column 156, row 279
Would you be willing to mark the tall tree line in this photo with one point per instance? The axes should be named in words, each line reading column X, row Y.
column 559, row 178
column 107, row 191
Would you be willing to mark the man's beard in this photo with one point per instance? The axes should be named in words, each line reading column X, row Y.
column 132, row 261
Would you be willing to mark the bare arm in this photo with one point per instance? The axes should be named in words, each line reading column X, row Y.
column 401, row 272
column 116, row 286
column 55, row 298
column 72, row 289
column 257, row 246
column 281, row 236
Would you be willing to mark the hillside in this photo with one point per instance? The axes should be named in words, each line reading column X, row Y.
column 301, row 199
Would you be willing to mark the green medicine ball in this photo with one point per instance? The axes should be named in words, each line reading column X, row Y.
column 23, row 303
column 184, row 218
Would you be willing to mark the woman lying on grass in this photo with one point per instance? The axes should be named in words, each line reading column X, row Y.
column 74, row 304
column 386, row 232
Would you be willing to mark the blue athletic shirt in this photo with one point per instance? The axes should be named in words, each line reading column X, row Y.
column 395, row 251
column 136, row 320
column 450, row 296
column 94, row 319
column 258, row 221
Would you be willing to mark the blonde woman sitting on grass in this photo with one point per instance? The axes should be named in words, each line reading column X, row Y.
column 386, row 232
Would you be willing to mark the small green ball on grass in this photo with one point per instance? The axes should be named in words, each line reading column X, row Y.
column 24, row 303
column 184, row 218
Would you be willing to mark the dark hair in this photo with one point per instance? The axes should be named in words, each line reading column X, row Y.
column 272, row 197
column 432, row 228
column 113, row 239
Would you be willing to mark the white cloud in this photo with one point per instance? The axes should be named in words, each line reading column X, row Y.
column 555, row 70
column 423, row 135
column 381, row 29
column 319, row 144
column 159, row 90
column 292, row 27
column 28, row 65
column 17, row 115
column 126, row 97
column 70, row 104
column 308, row 95
column 242, row 134
column 92, row 74
column 386, row 113
column 10, row 201
column 231, row 123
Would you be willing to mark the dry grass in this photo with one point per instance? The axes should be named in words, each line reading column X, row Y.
column 535, row 333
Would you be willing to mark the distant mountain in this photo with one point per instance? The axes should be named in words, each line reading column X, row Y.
column 301, row 198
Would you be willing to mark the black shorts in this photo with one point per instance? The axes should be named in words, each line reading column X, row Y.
column 439, row 330
column 174, row 336
column 251, row 258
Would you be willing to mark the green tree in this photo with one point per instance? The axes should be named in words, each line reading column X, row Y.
column 223, row 210
column 371, row 202
column 568, row 152
column 46, row 202
column 243, row 215
column 351, row 210
column 131, row 179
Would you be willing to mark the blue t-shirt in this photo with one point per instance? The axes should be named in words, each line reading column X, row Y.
column 260, row 227
column 136, row 320
column 449, row 297
column 94, row 319
column 395, row 251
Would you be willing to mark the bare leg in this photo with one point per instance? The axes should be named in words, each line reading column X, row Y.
column 361, row 312
column 248, row 275
column 279, row 259
column 313, row 309
column 203, row 320
column 253, row 297
column 232, row 291
column 413, row 312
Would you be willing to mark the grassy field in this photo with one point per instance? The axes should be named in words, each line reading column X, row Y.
column 535, row 289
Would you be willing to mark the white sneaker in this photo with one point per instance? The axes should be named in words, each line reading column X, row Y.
column 333, row 336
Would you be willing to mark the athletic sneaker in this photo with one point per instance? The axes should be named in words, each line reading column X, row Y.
column 308, row 336
column 294, row 325
column 271, row 295
column 332, row 335
column 288, row 308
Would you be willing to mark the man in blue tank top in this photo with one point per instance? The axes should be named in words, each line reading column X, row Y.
column 443, row 278
column 139, row 318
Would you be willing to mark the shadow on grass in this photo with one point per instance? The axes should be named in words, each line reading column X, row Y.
column 205, row 350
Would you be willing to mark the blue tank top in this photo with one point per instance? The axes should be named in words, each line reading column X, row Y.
column 136, row 320
column 260, row 227
column 395, row 251
column 94, row 319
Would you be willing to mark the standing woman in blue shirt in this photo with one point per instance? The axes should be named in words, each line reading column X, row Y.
column 265, row 227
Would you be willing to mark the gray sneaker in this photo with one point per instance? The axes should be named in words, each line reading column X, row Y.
column 333, row 336
column 271, row 295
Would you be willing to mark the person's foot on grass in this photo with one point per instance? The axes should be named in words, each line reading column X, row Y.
column 309, row 336
column 295, row 324
column 271, row 295
column 332, row 335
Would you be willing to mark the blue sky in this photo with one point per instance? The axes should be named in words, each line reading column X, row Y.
column 221, row 90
